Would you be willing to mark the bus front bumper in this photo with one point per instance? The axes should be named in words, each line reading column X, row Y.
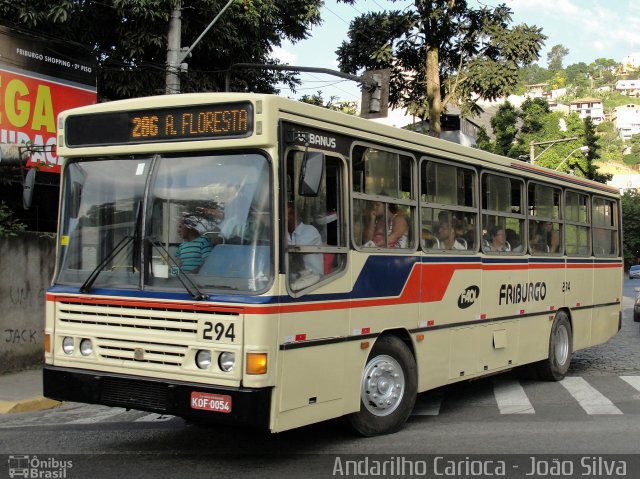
column 247, row 406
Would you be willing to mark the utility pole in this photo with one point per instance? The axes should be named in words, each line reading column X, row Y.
column 173, row 49
column 175, row 53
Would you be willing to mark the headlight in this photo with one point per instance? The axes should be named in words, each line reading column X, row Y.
column 227, row 361
column 68, row 345
column 203, row 359
column 86, row 347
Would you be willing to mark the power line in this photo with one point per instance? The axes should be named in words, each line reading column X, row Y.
column 346, row 23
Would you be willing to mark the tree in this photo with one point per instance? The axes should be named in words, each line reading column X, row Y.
column 129, row 39
column 483, row 142
column 593, row 155
column 441, row 52
column 603, row 71
column 609, row 142
column 578, row 75
column 631, row 224
column 555, row 57
column 504, row 125
column 348, row 107
column 534, row 74
column 633, row 158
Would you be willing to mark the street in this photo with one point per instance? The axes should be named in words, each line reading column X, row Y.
column 595, row 411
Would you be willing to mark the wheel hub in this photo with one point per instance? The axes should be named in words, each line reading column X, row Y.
column 383, row 385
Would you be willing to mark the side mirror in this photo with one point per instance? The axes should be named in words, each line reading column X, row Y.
column 27, row 188
column 311, row 174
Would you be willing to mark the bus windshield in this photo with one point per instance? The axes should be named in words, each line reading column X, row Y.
column 204, row 217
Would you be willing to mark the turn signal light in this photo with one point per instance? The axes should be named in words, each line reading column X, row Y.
column 256, row 363
column 47, row 343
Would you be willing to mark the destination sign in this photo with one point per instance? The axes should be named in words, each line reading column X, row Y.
column 197, row 122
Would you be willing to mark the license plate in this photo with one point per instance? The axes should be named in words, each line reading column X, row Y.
column 211, row 402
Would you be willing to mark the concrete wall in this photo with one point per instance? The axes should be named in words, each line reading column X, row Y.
column 26, row 268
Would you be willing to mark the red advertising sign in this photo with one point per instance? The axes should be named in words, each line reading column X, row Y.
column 38, row 80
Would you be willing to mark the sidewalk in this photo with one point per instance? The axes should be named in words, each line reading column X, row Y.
column 22, row 392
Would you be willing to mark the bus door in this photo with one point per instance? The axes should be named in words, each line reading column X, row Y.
column 314, row 318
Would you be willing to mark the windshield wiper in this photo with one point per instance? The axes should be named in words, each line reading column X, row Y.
column 122, row 244
column 191, row 288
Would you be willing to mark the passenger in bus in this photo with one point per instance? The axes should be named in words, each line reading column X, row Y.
column 538, row 238
column 447, row 237
column 299, row 233
column 397, row 227
column 195, row 249
column 554, row 241
column 498, row 240
column 514, row 240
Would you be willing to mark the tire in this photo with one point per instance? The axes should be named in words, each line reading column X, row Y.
column 388, row 388
column 555, row 367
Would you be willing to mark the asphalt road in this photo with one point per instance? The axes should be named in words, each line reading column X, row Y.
column 592, row 414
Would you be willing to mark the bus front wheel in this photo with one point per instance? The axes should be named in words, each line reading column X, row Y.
column 387, row 390
column 555, row 367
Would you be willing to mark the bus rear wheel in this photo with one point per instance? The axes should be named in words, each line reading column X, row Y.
column 387, row 390
column 555, row 367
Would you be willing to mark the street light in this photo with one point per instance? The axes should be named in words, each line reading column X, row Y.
column 532, row 147
column 583, row 149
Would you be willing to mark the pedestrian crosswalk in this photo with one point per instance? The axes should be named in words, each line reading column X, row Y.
column 510, row 396
column 503, row 395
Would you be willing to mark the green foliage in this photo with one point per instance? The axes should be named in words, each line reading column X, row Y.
column 631, row 160
column 635, row 144
column 9, row 226
column 348, row 107
column 610, row 144
column 483, row 142
column 453, row 49
column 631, row 225
column 129, row 39
column 555, row 57
column 504, row 127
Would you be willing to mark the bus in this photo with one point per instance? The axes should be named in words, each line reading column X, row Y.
column 253, row 260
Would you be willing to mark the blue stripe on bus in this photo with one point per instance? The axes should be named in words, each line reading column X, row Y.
column 451, row 259
column 505, row 261
column 381, row 276
column 546, row 260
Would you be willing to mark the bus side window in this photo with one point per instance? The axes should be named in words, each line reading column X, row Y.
column 314, row 232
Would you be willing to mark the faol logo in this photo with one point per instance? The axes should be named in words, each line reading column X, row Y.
column 468, row 297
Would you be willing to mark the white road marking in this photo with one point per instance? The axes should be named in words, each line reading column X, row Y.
column 633, row 381
column 589, row 398
column 99, row 416
column 154, row 418
column 511, row 397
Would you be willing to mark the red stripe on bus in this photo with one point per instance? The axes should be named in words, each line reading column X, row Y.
column 427, row 283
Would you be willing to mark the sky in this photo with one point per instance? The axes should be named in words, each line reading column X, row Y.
column 590, row 29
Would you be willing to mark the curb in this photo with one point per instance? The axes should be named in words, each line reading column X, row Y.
column 37, row 403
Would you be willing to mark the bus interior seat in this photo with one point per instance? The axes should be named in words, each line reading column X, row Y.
column 237, row 261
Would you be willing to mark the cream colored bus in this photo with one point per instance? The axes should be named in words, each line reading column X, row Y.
column 249, row 259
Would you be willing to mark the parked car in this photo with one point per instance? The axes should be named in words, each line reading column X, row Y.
column 634, row 271
column 636, row 307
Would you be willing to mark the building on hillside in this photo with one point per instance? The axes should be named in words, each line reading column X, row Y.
column 625, row 182
column 555, row 106
column 536, row 90
column 627, row 120
column 628, row 87
column 588, row 107
column 632, row 60
column 457, row 128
